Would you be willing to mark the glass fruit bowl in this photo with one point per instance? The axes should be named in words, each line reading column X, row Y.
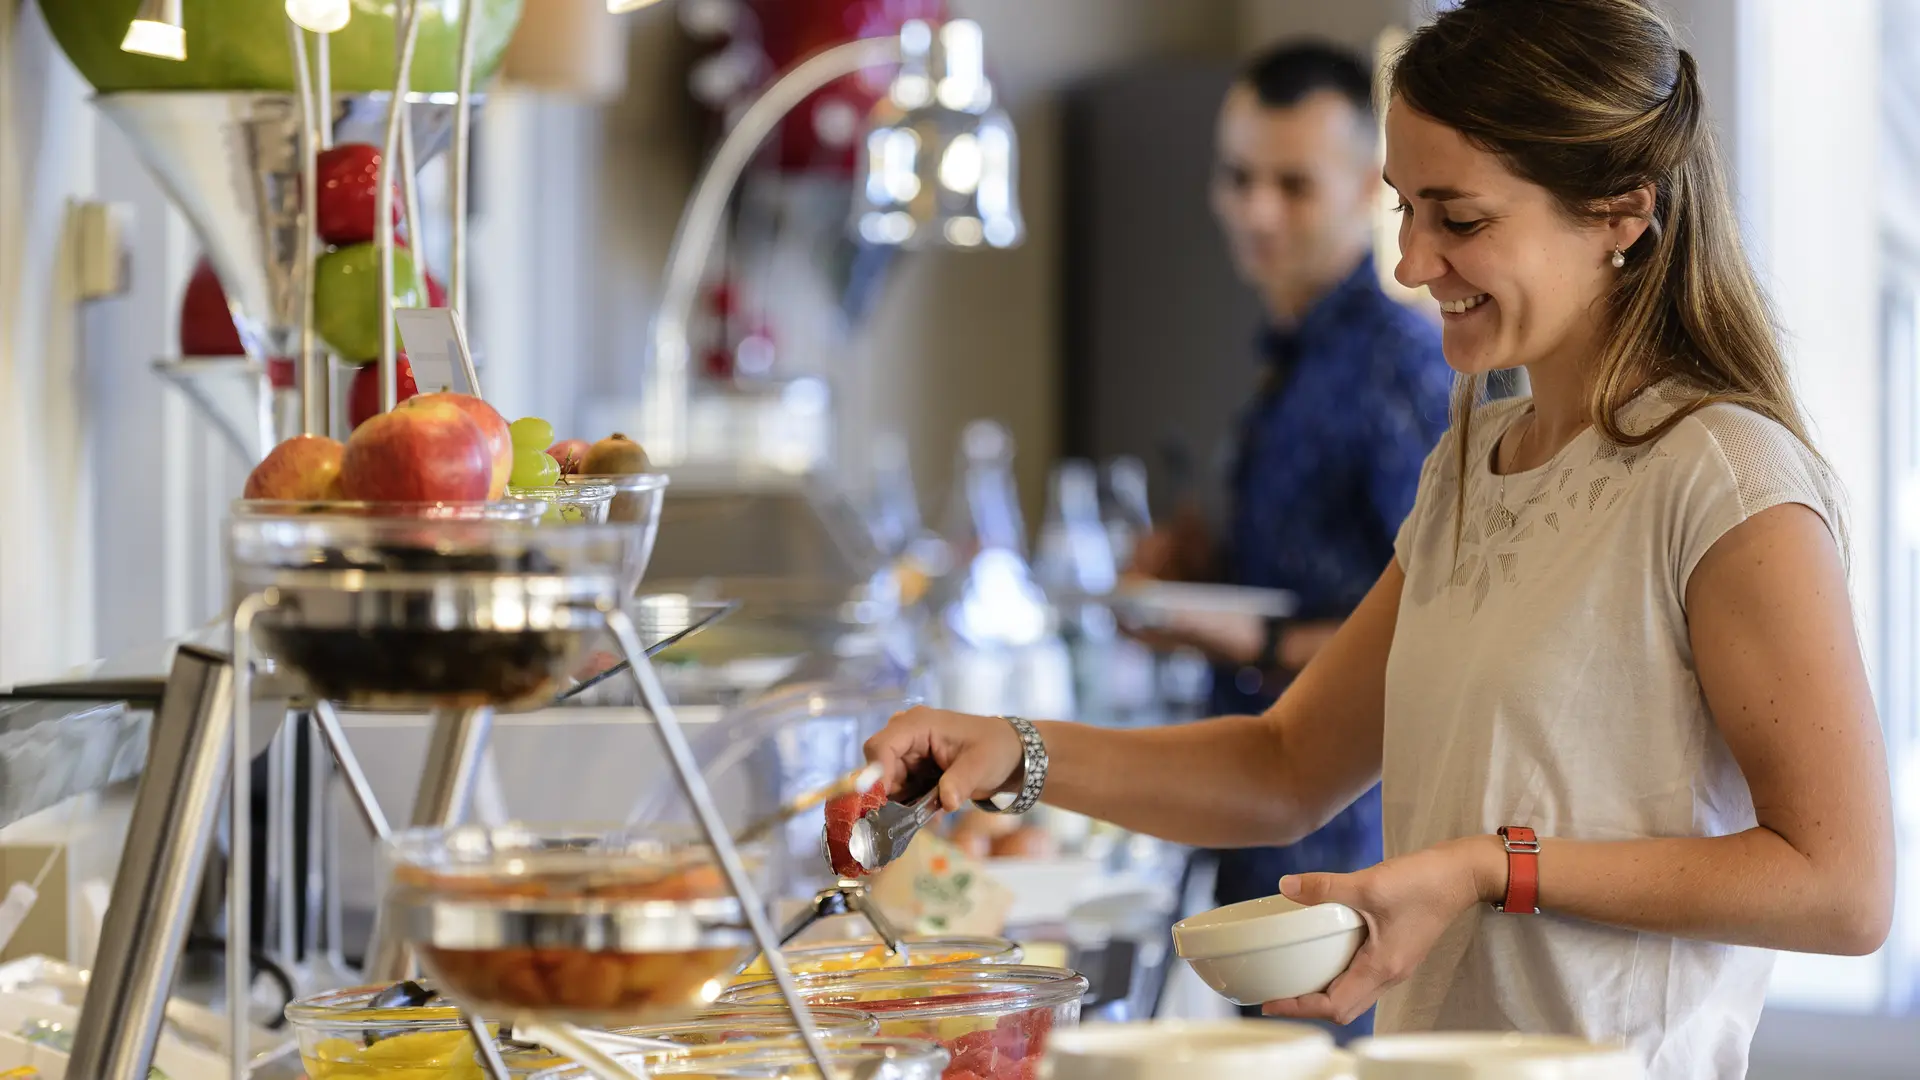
column 568, row 502
column 342, row 1036
column 399, row 613
column 923, row 950
column 637, row 500
column 711, row 1027
column 734, row 1023
column 785, row 1058
column 524, row 1059
column 992, row 1018
column 524, row 510
column 594, row 927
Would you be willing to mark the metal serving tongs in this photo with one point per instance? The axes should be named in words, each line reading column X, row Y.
column 882, row 835
column 878, row 838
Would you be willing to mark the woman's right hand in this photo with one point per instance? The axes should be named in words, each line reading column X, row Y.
column 978, row 756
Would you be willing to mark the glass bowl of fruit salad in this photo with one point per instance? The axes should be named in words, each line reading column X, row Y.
column 568, row 501
column 342, row 1034
column 527, row 1059
column 398, row 613
column 783, row 1058
column 593, row 926
column 992, row 1018
column 734, row 1023
column 786, row 1057
column 922, row 950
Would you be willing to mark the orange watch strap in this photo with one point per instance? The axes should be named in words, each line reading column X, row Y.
column 1523, row 871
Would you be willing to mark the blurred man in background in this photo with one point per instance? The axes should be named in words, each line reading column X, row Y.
column 1352, row 395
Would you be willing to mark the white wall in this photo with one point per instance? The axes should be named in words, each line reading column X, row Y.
column 1812, row 132
column 45, row 548
column 1353, row 23
column 1795, row 90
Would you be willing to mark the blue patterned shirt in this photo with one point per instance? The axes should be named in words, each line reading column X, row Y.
column 1330, row 456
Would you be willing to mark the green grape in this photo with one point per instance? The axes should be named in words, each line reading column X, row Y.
column 533, row 469
column 531, row 433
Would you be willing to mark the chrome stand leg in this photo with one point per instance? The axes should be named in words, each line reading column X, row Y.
column 446, row 793
column 453, row 766
column 490, row 1061
column 240, row 829
column 321, row 948
column 694, row 786
column 283, row 930
column 174, row 815
column 335, row 930
column 349, row 764
column 340, row 752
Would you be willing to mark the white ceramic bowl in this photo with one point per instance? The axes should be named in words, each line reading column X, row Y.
column 1174, row 1050
column 1271, row 948
column 1476, row 1056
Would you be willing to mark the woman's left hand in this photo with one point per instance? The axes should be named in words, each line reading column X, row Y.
column 1407, row 902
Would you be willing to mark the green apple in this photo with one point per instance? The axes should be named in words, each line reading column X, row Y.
column 346, row 298
column 242, row 45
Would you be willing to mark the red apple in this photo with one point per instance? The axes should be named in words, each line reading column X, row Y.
column 417, row 453
column 363, row 395
column 492, row 425
column 436, row 292
column 569, row 453
column 305, row 467
column 349, row 193
column 206, row 322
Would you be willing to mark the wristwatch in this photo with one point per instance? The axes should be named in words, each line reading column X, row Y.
column 1033, row 773
column 1270, row 648
column 1523, row 871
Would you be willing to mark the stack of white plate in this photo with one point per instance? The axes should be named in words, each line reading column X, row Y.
column 1278, row 1050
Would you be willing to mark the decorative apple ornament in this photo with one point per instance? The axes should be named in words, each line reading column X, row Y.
column 819, row 137
column 570, row 453
column 349, row 196
column 304, row 468
column 417, row 453
column 206, row 322
column 363, row 396
column 346, row 298
column 491, row 424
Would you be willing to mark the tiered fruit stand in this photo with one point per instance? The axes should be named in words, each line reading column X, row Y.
column 455, row 608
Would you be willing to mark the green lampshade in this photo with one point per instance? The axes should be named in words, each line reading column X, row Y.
column 242, row 45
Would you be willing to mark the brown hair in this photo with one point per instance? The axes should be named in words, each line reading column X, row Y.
column 1593, row 100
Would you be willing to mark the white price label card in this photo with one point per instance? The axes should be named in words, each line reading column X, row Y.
column 436, row 346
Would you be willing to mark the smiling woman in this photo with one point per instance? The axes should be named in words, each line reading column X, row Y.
column 1609, row 682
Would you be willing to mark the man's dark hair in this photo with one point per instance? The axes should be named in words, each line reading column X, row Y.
column 1283, row 75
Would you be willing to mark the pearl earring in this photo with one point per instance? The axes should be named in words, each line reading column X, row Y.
column 1619, row 258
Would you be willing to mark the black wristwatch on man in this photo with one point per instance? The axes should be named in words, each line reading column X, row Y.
column 1270, row 648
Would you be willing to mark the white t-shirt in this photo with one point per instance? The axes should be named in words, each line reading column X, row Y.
column 1545, row 678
